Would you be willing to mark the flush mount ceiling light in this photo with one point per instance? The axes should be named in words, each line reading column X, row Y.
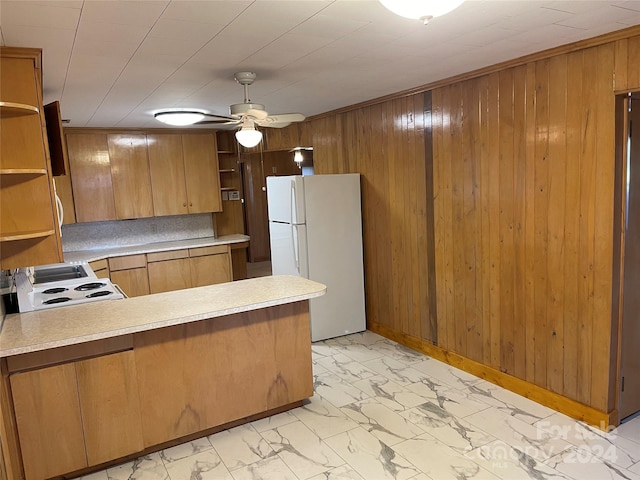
column 179, row 118
column 248, row 136
column 423, row 10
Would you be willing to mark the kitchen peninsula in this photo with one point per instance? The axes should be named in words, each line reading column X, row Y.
column 85, row 385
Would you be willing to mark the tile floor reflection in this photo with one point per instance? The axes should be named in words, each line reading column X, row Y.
column 384, row 412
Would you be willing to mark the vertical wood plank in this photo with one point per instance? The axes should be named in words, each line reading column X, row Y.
column 439, row 215
column 493, row 122
column 506, row 175
column 468, row 227
column 529, row 226
column 555, row 252
column 587, row 221
column 572, row 224
column 485, row 231
column 621, row 69
column 458, row 240
column 541, row 199
column 519, row 218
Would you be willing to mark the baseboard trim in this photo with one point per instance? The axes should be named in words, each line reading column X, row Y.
column 562, row 404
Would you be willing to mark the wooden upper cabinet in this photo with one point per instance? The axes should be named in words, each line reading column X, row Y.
column 167, row 174
column 91, row 173
column 201, row 172
column 130, row 176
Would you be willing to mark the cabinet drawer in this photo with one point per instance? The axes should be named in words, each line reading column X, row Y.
column 130, row 261
column 99, row 265
column 212, row 250
column 168, row 255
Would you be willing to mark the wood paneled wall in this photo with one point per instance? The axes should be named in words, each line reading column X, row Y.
column 499, row 249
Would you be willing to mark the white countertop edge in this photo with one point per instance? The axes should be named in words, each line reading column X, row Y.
column 124, row 250
column 140, row 327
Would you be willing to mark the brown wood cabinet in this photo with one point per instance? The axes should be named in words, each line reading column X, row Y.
column 100, row 268
column 130, row 273
column 107, row 387
column 212, row 376
column 166, row 166
column 210, row 265
column 184, row 173
column 29, row 231
column 201, row 172
column 77, row 414
column 169, row 271
column 130, row 176
column 195, row 267
column 49, row 422
column 91, row 177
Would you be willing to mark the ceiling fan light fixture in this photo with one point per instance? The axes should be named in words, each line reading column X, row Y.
column 179, row 118
column 248, row 136
column 423, row 10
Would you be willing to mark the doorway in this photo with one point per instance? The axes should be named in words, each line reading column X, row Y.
column 629, row 152
column 256, row 168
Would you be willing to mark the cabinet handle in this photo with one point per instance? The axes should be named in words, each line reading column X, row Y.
column 184, row 204
column 190, row 204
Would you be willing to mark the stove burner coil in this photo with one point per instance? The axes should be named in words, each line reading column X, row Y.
column 50, row 291
column 56, row 300
column 90, row 286
column 101, row 293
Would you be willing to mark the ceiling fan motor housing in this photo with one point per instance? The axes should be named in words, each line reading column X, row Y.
column 242, row 108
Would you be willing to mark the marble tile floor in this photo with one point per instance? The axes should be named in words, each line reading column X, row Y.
column 381, row 411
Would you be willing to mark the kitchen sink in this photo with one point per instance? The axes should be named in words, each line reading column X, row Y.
column 59, row 273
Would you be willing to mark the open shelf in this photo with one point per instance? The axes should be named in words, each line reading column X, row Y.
column 34, row 172
column 12, row 109
column 226, row 189
column 227, row 170
column 26, row 235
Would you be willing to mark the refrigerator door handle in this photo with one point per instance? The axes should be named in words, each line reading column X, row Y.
column 294, row 247
column 292, row 208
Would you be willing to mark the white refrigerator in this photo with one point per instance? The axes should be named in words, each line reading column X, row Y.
column 315, row 228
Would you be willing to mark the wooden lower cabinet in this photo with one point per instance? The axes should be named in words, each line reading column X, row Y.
column 110, row 407
column 47, row 409
column 77, row 414
column 210, row 265
column 168, row 271
column 130, row 274
column 80, row 406
column 216, row 371
column 195, row 267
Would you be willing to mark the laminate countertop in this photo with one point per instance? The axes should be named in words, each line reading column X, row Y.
column 100, row 253
column 58, row 327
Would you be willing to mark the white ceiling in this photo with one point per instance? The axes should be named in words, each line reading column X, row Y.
column 113, row 63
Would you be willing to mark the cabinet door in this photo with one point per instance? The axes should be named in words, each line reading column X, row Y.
column 110, row 406
column 134, row 282
column 201, row 172
column 167, row 174
column 49, row 422
column 130, row 176
column 169, row 275
column 91, row 173
column 210, row 269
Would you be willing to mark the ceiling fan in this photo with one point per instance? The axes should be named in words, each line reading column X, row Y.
column 246, row 114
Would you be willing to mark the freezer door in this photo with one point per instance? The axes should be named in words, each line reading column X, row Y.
column 285, row 199
column 288, row 249
column 334, row 243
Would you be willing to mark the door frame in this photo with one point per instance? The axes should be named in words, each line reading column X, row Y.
column 619, row 223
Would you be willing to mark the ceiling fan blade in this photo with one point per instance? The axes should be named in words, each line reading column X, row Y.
column 257, row 114
column 278, row 121
column 220, row 121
